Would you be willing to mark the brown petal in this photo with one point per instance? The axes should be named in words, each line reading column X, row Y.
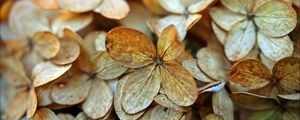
column 168, row 45
column 213, row 117
column 253, row 101
column 155, row 7
column 242, row 34
column 164, row 101
column 223, row 105
column 178, row 84
column 65, row 116
column 69, row 50
column 46, row 72
column 46, row 44
column 142, row 85
column 118, row 102
column 287, row 72
column 276, row 22
column 250, row 74
column 113, row 9
column 99, row 101
column 71, row 90
column 107, row 68
column 192, row 67
column 17, row 107
column 45, row 114
column 129, row 47
column 78, row 5
column 161, row 113
column 32, row 103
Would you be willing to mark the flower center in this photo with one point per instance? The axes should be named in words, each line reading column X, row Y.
column 250, row 16
column 158, row 61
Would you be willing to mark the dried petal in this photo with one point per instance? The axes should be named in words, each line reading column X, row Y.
column 95, row 42
column 269, row 114
column 78, row 5
column 276, row 18
column 155, row 7
column 17, row 107
column 46, row 44
column 129, row 47
column 179, row 85
column 239, row 6
column 47, row 4
column 275, row 48
column 99, row 101
column 45, row 114
column 191, row 65
column 295, row 96
column 291, row 114
column 253, row 101
column 242, row 34
column 43, row 95
column 46, row 72
column 113, row 9
column 164, row 101
column 82, row 116
column 161, row 113
column 266, row 61
column 213, row 117
column 173, row 6
column 32, row 103
column 212, row 87
column 219, row 32
column 250, row 74
column 71, row 90
column 223, row 105
column 142, row 85
column 199, row 6
column 65, row 116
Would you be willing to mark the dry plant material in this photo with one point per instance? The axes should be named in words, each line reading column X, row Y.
column 184, row 14
column 257, row 78
column 266, row 23
column 161, row 113
column 133, row 49
column 45, row 114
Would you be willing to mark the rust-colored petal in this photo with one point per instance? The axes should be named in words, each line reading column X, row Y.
column 46, row 44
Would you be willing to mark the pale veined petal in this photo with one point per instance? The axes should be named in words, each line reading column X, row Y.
column 44, row 114
column 142, row 85
column 161, row 113
column 253, row 101
column 95, row 42
column 78, row 5
column 43, row 95
column 266, row 61
column 239, row 6
column 173, row 6
column 130, row 47
column 46, row 44
column 32, row 103
column 275, row 48
column 17, row 107
column 240, row 40
column 46, row 72
column 275, row 18
column 199, row 6
column 219, row 32
column 30, row 60
column 223, row 105
column 99, row 101
column 225, row 18
column 113, row 9
column 178, row 84
column 164, row 101
column 191, row 66
column 65, row 116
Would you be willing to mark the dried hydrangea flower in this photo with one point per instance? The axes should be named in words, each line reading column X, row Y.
column 153, row 67
column 184, row 14
column 255, row 77
column 248, row 22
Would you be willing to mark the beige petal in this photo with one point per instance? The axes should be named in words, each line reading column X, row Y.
column 72, row 21
column 191, row 66
column 199, row 6
column 142, row 85
column 113, row 9
column 213, row 117
column 69, row 50
column 65, row 116
column 287, row 72
column 239, row 6
column 45, row 114
column 168, row 45
column 275, row 18
column 99, row 101
column 250, row 74
column 225, row 18
column 275, row 48
column 82, row 116
column 71, row 90
column 6, row 32
column 155, row 7
column 46, row 44
column 17, row 107
column 164, row 101
column 212, row 63
column 219, row 32
column 242, row 34
column 32, row 103
column 161, row 113
column 266, row 61
column 129, row 47
column 95, row 42
column 223, row 105
column 253, row 101
column 46, row 72
column 78, row 5
column 47, row 4
column 173, row 6
column 118, row 102
column 31, row 59
column 113, row 84
column 107, row 68
column 296, row 3
column 25, row 19
column 179, row 85
column 295, row 96
column 212, row 87
column 43, row 95
column 253, row 54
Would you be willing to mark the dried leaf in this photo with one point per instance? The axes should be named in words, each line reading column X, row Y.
column 275, row 48
column 250, row 74
column 223, row 105
column 129, row 47
column 142, row 85
column 46, row 44
column 46, row 72
column 242, row 34
column 71, row 90
column 45, row 114
column 113, row 9
column 191, row 65
column 99, row 101
column 164, row 101
column 78, row 5
column 253, row 101
column 275, row 18
column 32, row 103
column 178, row 84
